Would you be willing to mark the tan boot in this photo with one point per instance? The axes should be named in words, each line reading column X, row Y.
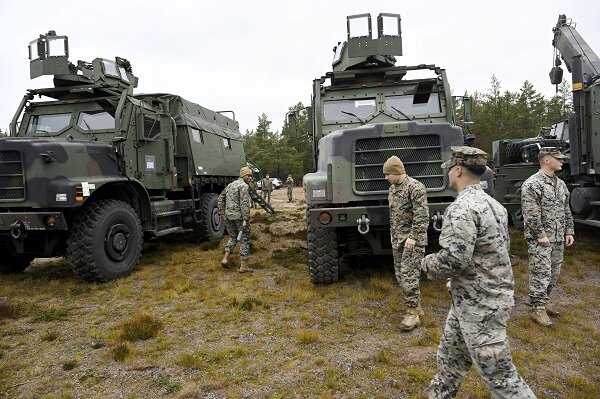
column 540, row 316
column 552, row 312
column 244, row 267
column 411, row 320
column 225, row 261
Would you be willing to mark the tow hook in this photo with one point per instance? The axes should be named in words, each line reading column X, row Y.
column 436, row 221
column 363, row 224
column 17, row 229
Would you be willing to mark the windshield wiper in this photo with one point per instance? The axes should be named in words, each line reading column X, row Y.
column 89, row 129
column 400, row 112
column 354, row 115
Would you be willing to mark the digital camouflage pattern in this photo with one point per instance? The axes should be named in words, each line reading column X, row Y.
column 290, row 187
column 545, row 206
column 252, row 185
column 234, row 204
column 407, row 268
column 468, row 156
column 546, row 213
column 474, row 255
column 234, row 201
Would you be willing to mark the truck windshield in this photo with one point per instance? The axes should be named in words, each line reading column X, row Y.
column 95, row 120
column 344, row 110
column 407, row 105
column 48, row 125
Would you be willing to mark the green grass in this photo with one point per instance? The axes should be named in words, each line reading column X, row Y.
column 139, row 327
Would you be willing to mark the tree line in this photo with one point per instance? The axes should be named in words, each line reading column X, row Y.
column 498, row 114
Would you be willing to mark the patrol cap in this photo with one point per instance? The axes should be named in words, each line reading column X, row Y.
column 245, row 171
column 467, row 156
column 553, row 152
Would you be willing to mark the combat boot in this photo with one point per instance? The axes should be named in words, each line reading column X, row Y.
column 244, row 267
column 225, row 261
column 411, row 320
column 540, row 316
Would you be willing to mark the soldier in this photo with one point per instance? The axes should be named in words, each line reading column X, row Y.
column 548, row 228
column 267, row 187
column 409, row 218
column 254, row 186
column 290, row 187
column 234, row 204
column 474, row 256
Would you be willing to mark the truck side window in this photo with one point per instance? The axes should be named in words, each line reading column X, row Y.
column 227, row 142
column 95, row 120
column 151, row 127
column 197, row 136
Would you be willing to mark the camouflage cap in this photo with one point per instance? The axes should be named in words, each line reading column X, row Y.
column 553, row 152
column 463, row 155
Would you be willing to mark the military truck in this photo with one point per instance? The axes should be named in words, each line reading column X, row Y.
column 578, row 137
column 91, row 169
column 364, row 111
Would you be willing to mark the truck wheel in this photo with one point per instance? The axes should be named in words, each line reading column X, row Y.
column 11, row 262
column 211, row 226
column 322, row 254
column 105, row 241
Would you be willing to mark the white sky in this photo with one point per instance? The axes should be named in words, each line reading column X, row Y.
column 261, row 56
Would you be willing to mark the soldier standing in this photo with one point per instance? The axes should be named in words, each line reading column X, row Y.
column 548, row 228
column 475, row 258
column 267, row 187
column 290, row 187
column 234, row 204
column 409, row 219
column 253, row 186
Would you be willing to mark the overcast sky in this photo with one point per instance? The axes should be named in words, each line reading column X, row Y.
column 257, row 57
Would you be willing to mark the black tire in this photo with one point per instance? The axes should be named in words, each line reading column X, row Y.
column 105, row 241
column 323, row 262
column 517, row 219
column 211, row 226
column 11, row 262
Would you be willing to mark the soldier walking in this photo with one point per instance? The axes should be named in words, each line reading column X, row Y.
column 290, row 187
column 409, row 219
column 266, row 187
column 548, row 228
column 475, row 258
column 252, row 185
column 234, row 204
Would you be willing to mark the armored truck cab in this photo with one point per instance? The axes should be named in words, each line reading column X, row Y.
column 91, row 169
column 364, row 111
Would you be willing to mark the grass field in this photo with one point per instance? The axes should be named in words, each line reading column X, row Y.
column 181, row 326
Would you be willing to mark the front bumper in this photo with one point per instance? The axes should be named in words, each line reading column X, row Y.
column 18, row 223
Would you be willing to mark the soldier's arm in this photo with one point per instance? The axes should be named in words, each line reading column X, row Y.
column 245, row 202
column 457, row 239
column 221, row 203
column 569, row 225
column 531, row 207
column 420, row 220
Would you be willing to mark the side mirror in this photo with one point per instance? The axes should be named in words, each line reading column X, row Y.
column 293, row 125
column 467, row 110
column 470, row 139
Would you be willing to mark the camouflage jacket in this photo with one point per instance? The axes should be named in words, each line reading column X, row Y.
column 289, row 182
column 475, row 256
column 409, row 213
column 234, row 201
column 545, row 207
column 253, row 185
column 267, row 184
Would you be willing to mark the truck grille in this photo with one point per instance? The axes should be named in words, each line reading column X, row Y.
column 421, row 155
column 12, row 181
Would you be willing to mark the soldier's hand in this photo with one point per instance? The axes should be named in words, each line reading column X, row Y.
column 244, row 224
column 544, row 241
column 569, row 240
column 409, row 243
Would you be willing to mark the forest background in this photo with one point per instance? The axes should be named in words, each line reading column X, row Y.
column 497, row 115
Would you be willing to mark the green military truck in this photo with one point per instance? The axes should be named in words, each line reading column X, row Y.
column 91, row 169
column 364, row 111
column 578, row 137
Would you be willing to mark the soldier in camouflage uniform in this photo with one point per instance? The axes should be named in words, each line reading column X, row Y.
column 290, row 187
column 475, row 258
column 409, row 218
column 267, row 187
column 548, row 228
column 254, row 186
column 234, row 205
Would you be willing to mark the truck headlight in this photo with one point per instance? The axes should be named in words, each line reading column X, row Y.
column 318, row 194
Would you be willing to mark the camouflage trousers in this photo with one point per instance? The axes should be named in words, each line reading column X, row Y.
column 266, row 196
column 233, row 228
column 483, row 343
column 407, row 266
column 289, row 193
column 544, row 270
